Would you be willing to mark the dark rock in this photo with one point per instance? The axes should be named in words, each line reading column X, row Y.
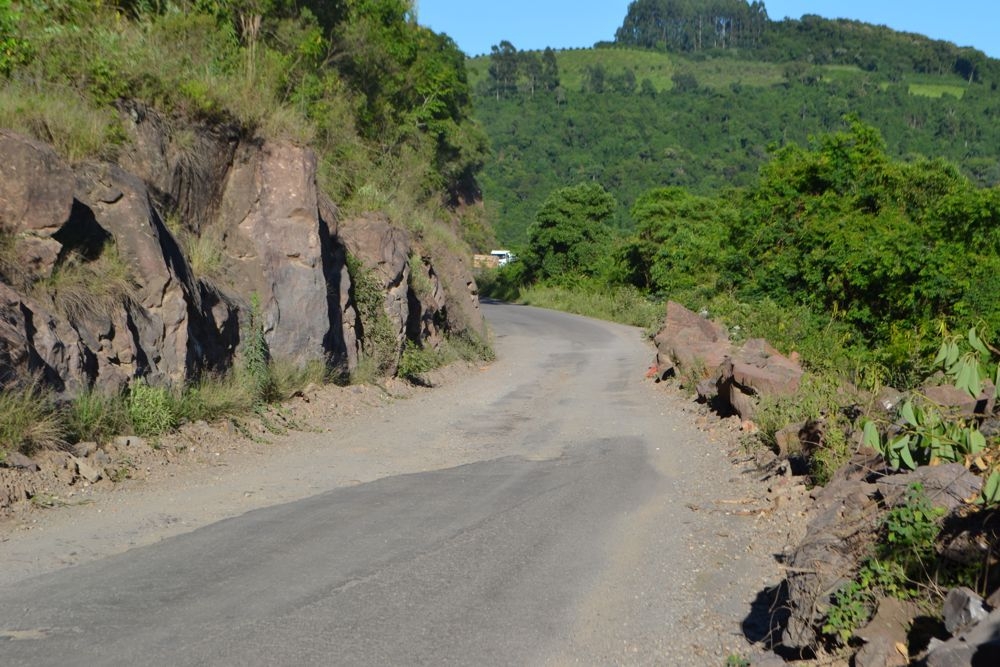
column 962, row 609
column 84, row 449
column 788, row 439
column 761, row 368
column 19, row 460
column 888, row 400
column 101, row 458
column 87, row 471
column 886, row 633
column 948, row 485
column 843, row 521
column 275, row 238
column 36, row 195
column 979, row 646
column 689, row 340
column 950, row 396
column 36, row 342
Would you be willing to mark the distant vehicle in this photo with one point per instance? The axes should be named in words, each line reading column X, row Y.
column 504, row 257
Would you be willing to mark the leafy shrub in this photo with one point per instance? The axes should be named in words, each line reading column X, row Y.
column 897, row 567
column 151, row 410
column 213, row 397
column 378, row 342
column 255, row 356
column 417, row 360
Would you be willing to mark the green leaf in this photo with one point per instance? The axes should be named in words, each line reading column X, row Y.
column 906, row 412
column 977, row 344
column 907, row 457
column 977, row 441
column 941, row 355
column 870, row 436
column 991, row 490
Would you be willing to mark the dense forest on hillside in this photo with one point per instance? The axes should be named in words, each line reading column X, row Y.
column 632, row 120
column 744, row 30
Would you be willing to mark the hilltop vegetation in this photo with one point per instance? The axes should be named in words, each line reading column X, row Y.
column 705, row 114
column 383, row 100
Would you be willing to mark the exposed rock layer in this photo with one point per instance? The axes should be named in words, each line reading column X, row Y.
column 96, row 288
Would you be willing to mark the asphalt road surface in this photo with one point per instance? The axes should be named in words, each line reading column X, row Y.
column 572, row 537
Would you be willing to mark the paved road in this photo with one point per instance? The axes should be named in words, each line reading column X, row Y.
column 570, row 540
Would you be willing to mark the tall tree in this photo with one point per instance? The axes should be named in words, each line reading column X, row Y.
column 503, row 69
column 570, row 235
column 550, row 69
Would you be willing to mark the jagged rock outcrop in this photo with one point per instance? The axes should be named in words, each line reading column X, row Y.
column 384, row 251
column 736, row 374
column 275, row 242
column 96, row 289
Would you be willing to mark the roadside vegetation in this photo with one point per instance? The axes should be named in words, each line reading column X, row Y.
column 874, row 272
column 382, row 100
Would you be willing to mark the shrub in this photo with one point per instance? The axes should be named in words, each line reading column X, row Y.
column 378, row 343
column 416, row 360
column 151, row 410
column 95, row 416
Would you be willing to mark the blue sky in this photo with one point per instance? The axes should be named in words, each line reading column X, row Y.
column 534, row 24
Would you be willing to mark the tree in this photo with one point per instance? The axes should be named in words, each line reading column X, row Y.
column 679, row 241
column 624, row 83
column 532, row 69
column 596, row 76
column 550, row 69
column 569, row 235
column 503, row 69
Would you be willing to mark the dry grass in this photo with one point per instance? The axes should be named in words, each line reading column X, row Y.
column 75, row 127
column 82, row 290
column 28, row 420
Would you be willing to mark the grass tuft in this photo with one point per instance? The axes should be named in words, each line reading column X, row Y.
column 28, row 420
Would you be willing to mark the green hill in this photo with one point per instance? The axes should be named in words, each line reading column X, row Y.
column 633, row 119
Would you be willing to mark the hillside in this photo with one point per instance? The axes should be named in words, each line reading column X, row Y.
column 634, row 119
column 205, row 205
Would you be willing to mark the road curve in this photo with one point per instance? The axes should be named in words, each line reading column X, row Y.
column 579, row 533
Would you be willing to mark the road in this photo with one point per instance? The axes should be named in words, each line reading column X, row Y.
column 580, row 524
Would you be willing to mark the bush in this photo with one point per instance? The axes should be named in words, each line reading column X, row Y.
column 93, row 416
column 151, row 410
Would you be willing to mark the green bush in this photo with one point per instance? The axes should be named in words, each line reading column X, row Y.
column 94, row 416
column 151, row 410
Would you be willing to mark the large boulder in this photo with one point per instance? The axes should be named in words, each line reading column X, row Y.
column 842, row 522
column 275, row 238
column 689, row 340
column 157, row 324
column 383, row 250
column 738, row 375
column 36, row 196
column 37, row 343
column 184, row 164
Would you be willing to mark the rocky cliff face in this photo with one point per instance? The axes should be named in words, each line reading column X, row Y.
column 96, row 288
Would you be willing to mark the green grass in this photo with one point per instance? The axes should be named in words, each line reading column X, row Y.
column 936, row 90
column 618, row 304
column 714, row 73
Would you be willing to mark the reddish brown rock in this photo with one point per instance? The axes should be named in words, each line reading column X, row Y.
column 950, row 396
column 689, row 340
column 275, row 239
